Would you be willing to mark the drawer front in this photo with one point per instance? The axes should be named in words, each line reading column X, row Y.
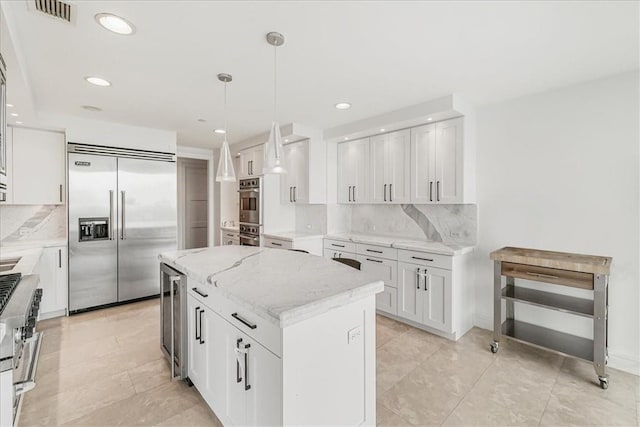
column 277, row 243
column 231, row 235
column 339, row 245
column 377, row 251
column 383, row 269
column 265, row 332
column 333, row 253
column 425, row 259
column 574, row 279
column 387, row 300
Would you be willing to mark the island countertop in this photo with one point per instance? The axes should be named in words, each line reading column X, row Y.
column 283, row 287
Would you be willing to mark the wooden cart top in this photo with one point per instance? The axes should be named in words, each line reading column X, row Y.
column 560, row 260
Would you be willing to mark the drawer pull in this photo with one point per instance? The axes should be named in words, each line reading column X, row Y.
column 548, row 276
column 202, row 294
column 374, row 260
column 338, row 246
column 276, row 244
column 422, row 259
column 230, row 235
column 371, row 250
column 245, row 322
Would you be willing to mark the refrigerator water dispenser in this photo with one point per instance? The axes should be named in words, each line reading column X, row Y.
column 93, row 229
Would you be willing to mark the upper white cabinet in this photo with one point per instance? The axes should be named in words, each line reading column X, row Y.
column 295, row 183
column 38, row 167
column 390, row 169
column 251, row 162
column 353, row 171
column 438, row 163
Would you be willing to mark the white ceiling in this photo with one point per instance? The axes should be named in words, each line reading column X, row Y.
column 380, row 56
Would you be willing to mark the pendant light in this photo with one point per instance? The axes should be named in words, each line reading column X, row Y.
column 273, row 158
column 225, row 164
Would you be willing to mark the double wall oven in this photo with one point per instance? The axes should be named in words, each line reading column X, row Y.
column 250, row 215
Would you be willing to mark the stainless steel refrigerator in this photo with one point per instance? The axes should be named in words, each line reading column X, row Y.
column 122, row 214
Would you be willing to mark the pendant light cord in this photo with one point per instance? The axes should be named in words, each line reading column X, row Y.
column 275, row 83
column 225, row 111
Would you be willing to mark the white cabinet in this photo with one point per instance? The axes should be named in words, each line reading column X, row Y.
column 228, row 237
column 294, row 185
column 52, row 269
column 424, row 295
column 387, row 300
column 38, row 167
column 251, row 162
column 390, row 170
column 353, row 171
column 310, row 244
column 198, row 366
column 270, row 242
column 437, row 165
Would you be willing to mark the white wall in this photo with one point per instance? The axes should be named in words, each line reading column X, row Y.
column 559, row 171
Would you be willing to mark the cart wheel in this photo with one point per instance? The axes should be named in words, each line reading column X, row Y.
column 604, row 383
column 494, row 347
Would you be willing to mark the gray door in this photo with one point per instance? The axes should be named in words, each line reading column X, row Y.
column 147, row 223
column 93, row 264
column 193, row 194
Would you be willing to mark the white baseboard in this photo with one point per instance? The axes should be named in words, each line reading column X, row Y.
column 483, row 321
column 52, row 314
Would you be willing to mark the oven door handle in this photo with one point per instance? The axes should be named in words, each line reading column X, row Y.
column 249, row 190
column 22, row 387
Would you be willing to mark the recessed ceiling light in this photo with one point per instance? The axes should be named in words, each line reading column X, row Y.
column 220, row 131
column 98, row 81
column 10, row 105
column 91, row 108
column 382, row 130
column 115, row 24
column 286, row 140
column 429, row 118
column 201, row 120
column 18, row 123
column 343, row 105
column 14, row 114
column 346, row 138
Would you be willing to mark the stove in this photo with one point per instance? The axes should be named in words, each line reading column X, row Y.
column 8, row 284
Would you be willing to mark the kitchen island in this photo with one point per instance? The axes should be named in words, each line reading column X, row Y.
column 279, row 337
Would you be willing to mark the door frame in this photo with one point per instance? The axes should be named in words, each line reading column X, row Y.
column 201, row 154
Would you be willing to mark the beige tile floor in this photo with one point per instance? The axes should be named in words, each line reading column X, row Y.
column 105, row 368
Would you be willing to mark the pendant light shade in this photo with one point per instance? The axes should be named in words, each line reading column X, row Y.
column 225, row 171
column 273, row 158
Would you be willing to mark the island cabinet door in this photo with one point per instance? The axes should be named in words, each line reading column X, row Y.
column 437, row 299
column 196, row 346
column 410, row 293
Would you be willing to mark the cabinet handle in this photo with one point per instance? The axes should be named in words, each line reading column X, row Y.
column 391, row 192
column 375, row 252
column 247, row 386
column 438, row 191
column 276, row 244
column 122, row 226
column 60, row 193
column 111, row 215
column 238, row 377
column 196, row 321
column 425, row 280
column 374, row 260
column 295, row 196
column 59, row 258
column 337, row 246
column 431, row 191
column 422, row 259
column 354, row 193
column 290, row 196
column 418, row 278
column 230, row 235
column 385, row 192
column 199, row 292
column 245, row 322
column 349, row 193
column 200, row 337
column 546, row 276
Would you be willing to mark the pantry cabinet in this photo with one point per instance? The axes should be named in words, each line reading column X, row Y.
column 294, row 185
column 251, row 161
column 353, row 171
column 437, row 165
column 38, row 167
column 52, row 269
column 389, row 167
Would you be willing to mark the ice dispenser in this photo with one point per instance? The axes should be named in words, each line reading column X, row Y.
column 94, row 229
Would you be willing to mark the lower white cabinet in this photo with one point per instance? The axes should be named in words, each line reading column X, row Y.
column 229, row 237
column 52, row 269
column 312, row 245
column 387, row 300
column 424, row 295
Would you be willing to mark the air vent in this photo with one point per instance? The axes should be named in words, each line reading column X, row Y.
column 55, row 8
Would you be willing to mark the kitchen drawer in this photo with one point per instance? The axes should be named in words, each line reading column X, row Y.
column 377, row 251
column 340, row 245
column 334, row 253
column 425, row 258
column 387, row 300
column 270, row 242
column 383, row 269
column 231, row 235
column 574, row 279
column 265, row 332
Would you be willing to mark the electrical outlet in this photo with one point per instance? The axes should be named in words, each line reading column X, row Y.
column 454, row 234
column 24, row 231
column 354, row 335
column 309, row 226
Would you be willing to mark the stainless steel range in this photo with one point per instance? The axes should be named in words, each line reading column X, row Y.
column 19, row 342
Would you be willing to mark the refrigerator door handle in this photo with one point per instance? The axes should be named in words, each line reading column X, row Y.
column 123, row 235
column 111, row 204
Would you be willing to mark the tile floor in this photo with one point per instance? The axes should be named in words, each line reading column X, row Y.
column 105, row 368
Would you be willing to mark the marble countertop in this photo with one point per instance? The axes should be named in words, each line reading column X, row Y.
column 29, row 258
column 39, row 243
column 283, row 287
column 292, row 235
column 401, row 243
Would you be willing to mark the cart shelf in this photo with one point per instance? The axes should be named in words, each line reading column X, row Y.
column 564, row 303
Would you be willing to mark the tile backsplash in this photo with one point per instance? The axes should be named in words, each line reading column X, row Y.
column 32, row 222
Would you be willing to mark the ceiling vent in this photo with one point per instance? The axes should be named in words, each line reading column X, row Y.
column 55, row 9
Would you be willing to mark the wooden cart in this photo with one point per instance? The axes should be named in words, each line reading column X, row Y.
column 579, row 271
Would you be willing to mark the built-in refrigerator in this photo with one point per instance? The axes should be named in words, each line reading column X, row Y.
column 122, row 214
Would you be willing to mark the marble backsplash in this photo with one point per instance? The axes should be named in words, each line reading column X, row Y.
column 32, row 222
column 311, row 219
column 450, row 224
